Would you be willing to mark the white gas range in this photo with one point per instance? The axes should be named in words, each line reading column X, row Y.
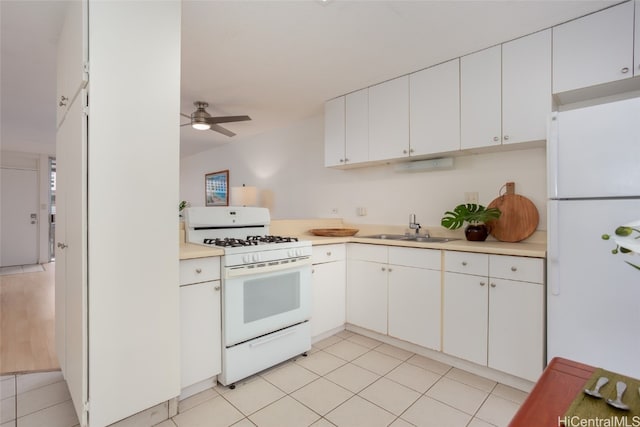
column 266, row 288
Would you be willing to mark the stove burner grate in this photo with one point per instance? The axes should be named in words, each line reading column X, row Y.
column 228, row 242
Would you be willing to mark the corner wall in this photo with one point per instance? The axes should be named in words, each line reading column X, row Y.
column 287, row 165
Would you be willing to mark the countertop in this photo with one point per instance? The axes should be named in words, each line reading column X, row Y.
column 190, row 251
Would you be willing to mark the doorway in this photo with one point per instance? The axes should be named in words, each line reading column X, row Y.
column 19, row 217
column 52, row 208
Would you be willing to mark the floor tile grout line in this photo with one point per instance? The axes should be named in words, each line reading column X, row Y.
column 41, row 409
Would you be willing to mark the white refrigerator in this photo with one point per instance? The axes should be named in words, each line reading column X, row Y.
column 593, row 296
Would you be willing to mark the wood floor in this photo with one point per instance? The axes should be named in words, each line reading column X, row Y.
column 27, row 326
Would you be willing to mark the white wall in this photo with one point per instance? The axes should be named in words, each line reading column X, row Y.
column 288, row 166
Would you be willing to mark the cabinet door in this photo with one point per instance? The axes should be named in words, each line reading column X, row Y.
column 200, row 332
column 480, row 98
column 357, row 127
column 71, row 56
column 636, row 43
column 71, row 252
column 595, row 49
column 516, row 328
column 389, row 119
column 334, row 131
column 465, row 315
column 329, row 297
column 414, row 305
column 526, row 88
column 434, row 96
column 367, row 295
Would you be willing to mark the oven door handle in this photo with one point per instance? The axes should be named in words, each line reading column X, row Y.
column 266, row 268
column 267, row 340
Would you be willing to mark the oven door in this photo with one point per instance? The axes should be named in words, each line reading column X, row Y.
column 259, row 301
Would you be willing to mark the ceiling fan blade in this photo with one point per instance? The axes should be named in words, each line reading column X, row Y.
column 186, row 115
column 220, row 129
column 227, row 119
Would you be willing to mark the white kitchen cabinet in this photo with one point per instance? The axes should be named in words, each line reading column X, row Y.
column 526, row 88
column 415, row 295
column 466, row 306
column 434, row 99
column 334, row 131
column 121, row 312
column 636, row 41
column 594, row 49
column 494, row 311
column 389, row 119
column 516, row 316
column 357, row 127
column 481, row 98
column 329, row 288
column 367, row 287
column 71, row 57
column 200, row 324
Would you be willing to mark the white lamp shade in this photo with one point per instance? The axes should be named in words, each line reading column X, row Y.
column 244, row 196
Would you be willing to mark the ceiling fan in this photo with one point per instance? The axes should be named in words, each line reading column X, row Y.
column 202, row 120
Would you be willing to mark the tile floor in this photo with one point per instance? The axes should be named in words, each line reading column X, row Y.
column 347, row 380
column 18, row 269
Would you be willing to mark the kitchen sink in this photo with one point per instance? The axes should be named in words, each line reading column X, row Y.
column 410, row 238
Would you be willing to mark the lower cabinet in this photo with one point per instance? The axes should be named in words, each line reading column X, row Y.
column 200, row 321
column 494, row 311
column 329, row 288
column 395, row 291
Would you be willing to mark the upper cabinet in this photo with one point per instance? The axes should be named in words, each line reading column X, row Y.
column 389, row 119
column 434, row 115
column 526, row 88
column 334, row 128
column 506, row 92
column 595, row 49
column 480, row 98
column 357, row 127
column 71, row 57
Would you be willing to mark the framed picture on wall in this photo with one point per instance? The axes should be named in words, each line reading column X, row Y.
column 216, row 188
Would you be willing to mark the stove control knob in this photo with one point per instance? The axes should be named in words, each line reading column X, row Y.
column 256, row 257
column 246, row 259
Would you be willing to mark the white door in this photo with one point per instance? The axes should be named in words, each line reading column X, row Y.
column 19, row 217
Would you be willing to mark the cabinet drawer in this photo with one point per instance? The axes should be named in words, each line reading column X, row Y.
column 199, row 270
column 373, row 253
column 328, row 253
column 410, row 257
column 517, row 268
column 467, row 263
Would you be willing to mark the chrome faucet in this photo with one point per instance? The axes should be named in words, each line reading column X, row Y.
column 413, row 224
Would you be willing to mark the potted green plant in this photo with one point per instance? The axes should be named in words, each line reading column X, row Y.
column 475, row 215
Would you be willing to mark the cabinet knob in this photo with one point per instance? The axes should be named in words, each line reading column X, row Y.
column 313, row 270
column 625, row 70
column 390, row 270
column 341, row 160
column 198, row 270
column 506, row 137
column 329, row 253
column 464, row 263
column 493, row 285
column 384, row 269
column 482, row 283
column 411, row 150
column 404, row 151
column 216, row 288
column 496, row 139
column 62, row 245
column 63, row 101
column 346, row 160
column 514, row 268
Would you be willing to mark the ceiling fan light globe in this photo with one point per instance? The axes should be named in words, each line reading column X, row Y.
column 201, row 126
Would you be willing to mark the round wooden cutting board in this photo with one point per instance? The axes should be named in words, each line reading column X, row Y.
column 519, row 217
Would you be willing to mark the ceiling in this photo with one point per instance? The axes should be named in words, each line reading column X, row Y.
column 277, row 61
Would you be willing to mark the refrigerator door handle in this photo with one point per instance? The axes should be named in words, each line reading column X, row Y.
column 552, row 156
column 553, row 246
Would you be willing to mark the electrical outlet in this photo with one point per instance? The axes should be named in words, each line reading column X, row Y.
column 361, row 211
column 471, row 197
